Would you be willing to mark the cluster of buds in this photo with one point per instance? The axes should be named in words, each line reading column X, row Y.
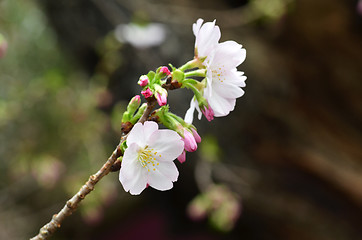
column 149, row 152
column 152, row 85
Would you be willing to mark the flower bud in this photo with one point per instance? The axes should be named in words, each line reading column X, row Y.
column 134, row 104
column 182, row 157
column 143, row 81
column 208, row 112
column 161, row 95
column 196, row 135
column 190, row 142
column 147, row 93
column 165, row 70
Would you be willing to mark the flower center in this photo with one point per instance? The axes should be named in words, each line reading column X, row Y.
column 147, row 158
column 219, row 73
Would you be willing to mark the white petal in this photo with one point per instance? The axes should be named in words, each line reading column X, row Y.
column 189, row 116
column 167, row 144
column 149, row 127
column 169, row 170
column 236, row 77
column 159, row 181
column 226, row 90
column 132, row 174
column 136, row 135
column 196, row 26
column 207, row 38
column 221, row 106
column 229, row 54
column 130, row 154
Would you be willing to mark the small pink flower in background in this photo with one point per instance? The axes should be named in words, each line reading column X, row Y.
column 165, row 70
column 143, row 81
column 359, row 7
column 147, row 93
column 149, row 158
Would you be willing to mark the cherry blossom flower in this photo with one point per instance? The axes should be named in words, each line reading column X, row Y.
column 148, row 160
column 223, row 80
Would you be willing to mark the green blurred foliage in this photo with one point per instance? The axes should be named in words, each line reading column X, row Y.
column 50, row 126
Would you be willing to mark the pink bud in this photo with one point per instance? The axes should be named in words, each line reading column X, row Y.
column 189, row 140
column 147, row 93
column 161, row 99
column 165, row 70
column 196, row 135
column 208, row 112
column 137, row 99
column 182, row 157
column 143, row 81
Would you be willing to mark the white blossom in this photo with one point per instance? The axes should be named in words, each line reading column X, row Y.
column 148, row 160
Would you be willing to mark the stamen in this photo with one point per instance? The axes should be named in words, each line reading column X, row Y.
column 148, row 156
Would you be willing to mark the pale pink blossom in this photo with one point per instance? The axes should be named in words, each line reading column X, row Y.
column 148, row 160
column 223, row 80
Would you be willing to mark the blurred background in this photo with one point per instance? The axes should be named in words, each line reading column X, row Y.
column 285, row 164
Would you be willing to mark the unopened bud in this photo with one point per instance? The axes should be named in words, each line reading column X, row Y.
column 207, row 111
column 143, row 81
column 182, row 157
column 147, row 93
column 134, row 103
column 165, row 70
column 161, row 95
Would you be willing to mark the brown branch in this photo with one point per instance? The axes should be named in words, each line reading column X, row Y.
column 72, row 204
